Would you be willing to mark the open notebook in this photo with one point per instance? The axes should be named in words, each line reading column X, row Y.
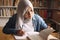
column 42, row 35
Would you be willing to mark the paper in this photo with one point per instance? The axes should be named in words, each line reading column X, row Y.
column 20, row 37
column 24, row 37
column 34, row 36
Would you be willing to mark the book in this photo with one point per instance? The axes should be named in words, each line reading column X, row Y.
column 0, row 12
column 5, row 2
column 24, row 37
column 1, row 2
column 16, row 2
column 4, row 12
column 42, row 35
column 8, row 12
column 10, row 2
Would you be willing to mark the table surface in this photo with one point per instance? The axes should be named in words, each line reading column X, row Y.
column 5, row 36
column 11, row 37
column 57, row 35
column 54, row 36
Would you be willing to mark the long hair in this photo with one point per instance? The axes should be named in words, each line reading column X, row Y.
column 22, row 8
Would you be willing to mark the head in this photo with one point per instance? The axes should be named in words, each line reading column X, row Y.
column 25, row 13
column 28, row 14
column 25, row 9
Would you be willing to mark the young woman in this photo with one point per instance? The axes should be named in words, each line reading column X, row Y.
column 25, row 20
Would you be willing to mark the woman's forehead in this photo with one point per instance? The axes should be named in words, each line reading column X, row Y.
column 29, row 8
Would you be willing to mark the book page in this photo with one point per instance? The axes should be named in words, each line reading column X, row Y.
column 21, row 37
column 45, row 33
column 42, row 35
column 34, row 36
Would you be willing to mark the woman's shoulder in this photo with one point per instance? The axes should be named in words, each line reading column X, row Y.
column 13, row 16
column 37, row 16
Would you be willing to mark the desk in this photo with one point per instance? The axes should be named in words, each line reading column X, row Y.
column 57, row 35
column 54, row 36
column 5, row 36
column 11, row 37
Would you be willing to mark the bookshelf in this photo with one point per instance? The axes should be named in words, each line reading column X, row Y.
column 55, row 4
column 7, row 11
column 43, row 7
column 40, row 7
column 55, row 14
column 8, row 7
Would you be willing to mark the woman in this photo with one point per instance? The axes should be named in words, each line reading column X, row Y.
column 24, row 20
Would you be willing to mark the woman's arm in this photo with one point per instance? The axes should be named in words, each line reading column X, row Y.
column 41, row 22
column 9, row 28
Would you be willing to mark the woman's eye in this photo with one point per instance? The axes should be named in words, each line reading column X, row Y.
column 31, row 10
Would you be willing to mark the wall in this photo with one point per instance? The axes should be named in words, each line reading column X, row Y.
column 3, row 21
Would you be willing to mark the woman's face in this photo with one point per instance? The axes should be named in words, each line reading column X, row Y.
column 28, row 14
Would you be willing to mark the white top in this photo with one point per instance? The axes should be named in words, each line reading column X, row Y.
column 28, row 27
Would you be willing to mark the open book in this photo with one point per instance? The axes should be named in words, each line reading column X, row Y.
column 24, row 37
column 42, row 35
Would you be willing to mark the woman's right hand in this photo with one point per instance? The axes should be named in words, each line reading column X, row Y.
column 20, row 32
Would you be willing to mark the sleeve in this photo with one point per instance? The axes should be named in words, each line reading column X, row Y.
column 9, row 27
column 41, row 22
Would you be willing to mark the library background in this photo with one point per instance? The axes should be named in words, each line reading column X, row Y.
column 47, row 9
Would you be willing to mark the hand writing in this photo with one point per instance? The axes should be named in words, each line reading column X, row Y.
column 20, row 32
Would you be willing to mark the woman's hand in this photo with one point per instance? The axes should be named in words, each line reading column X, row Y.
column 20, row 33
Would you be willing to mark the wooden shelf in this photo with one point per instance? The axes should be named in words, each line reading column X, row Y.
column 47, row 8
column 8, row 6
column 5, row 16
column 40, row 8
column 55, row 21
column 16, row 7
column 43, row 8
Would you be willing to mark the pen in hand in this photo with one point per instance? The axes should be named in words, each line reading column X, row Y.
column 20, row 32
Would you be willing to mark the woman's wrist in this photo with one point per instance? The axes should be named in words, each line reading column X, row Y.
column 20, row 32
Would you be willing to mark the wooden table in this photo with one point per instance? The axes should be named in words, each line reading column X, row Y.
column 54, row 36
column 11, row 37
column 5, row 36
column 57, row 35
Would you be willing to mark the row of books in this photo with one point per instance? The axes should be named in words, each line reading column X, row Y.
column 9, row 2
column 10, row 11
column 36, row 3
column 39, row 3
column 7, row 12
column 56, row 16
column 42, row 13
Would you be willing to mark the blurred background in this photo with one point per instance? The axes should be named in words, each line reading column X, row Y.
column 49, row 10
